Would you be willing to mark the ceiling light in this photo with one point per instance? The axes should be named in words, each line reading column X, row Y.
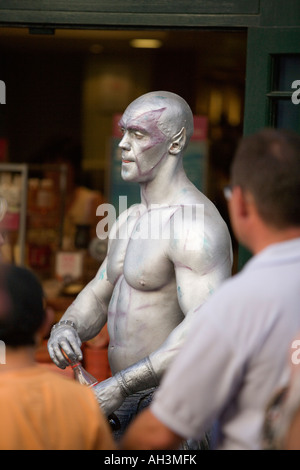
column 146, row 43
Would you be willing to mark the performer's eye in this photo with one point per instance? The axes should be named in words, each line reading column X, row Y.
column 138, row 135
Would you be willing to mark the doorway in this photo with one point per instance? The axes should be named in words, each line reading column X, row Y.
column 73, row 82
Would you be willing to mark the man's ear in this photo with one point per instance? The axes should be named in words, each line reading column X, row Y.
column 45, row 328
column 178, row 142
column 241, row 202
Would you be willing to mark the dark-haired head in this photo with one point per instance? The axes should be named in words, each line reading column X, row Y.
column 24, row 314
column 267, row 165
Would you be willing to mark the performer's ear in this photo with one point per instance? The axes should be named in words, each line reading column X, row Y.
column 178, row 142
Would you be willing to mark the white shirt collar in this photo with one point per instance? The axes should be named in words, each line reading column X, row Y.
column 276, row 253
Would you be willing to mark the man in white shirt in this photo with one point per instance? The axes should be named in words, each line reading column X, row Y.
column 236, row 354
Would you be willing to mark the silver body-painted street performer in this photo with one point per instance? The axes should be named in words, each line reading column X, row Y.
column 148, row 285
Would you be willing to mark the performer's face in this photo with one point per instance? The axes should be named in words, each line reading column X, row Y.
column 144, row 146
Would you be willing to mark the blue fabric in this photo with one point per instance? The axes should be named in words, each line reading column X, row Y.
column 130, row 408
column 136, row 403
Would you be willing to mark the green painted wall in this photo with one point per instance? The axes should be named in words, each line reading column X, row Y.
column 142, row 13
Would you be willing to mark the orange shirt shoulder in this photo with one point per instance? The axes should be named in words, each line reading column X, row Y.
column 42, row 410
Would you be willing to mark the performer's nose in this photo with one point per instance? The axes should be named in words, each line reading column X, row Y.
column 124, row 144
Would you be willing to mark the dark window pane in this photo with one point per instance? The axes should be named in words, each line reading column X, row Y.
column 288, row 67
column 287, row 115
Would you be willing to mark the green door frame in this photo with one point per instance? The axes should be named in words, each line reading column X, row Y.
column 262, row 45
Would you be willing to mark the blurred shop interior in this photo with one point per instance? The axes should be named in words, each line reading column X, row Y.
column 64, row 93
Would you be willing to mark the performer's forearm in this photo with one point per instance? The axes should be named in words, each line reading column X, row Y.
column 163, row 356
column 139, row 376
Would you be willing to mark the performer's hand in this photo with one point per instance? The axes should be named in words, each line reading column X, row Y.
column 109, row 395
column 64, row 337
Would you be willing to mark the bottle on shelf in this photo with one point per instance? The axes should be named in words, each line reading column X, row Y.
column 33, row 188
column 85, row 378
column 46, row 196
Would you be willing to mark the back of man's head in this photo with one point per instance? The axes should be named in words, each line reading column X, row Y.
column 24, row 313
column 267, row 165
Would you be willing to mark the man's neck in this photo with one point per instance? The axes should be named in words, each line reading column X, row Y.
column 164, row 188
column 272, row 236
column 18, row 358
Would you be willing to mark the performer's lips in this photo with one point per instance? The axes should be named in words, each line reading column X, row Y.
column 127, row 161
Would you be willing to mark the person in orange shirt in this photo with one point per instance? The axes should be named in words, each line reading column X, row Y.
column 39, row 409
